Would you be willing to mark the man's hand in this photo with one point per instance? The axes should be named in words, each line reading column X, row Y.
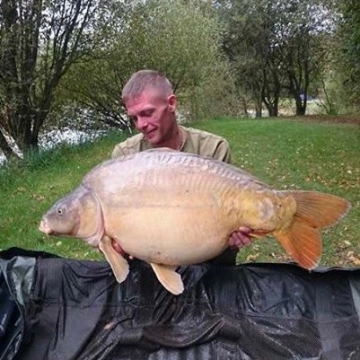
column 120, row 250
column 240, row 237
column 117, row 247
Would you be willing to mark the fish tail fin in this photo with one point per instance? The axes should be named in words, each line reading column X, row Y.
column 320, row 209
column 314, row 210
column 302, row 242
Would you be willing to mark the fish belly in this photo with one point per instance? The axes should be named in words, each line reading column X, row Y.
column 175, row 208
column 173, row 236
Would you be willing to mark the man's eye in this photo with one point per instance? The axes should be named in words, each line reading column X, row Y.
column 148, row 113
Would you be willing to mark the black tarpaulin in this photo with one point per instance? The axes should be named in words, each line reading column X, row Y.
column 72, row 309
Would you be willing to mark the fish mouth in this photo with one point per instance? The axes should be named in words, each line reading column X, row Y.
column 45, row 228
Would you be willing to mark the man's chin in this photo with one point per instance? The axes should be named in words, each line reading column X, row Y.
column 153, row 141
column 151, row 137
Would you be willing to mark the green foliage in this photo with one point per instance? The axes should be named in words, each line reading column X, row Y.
column 291, row 154
column 180, row 39
column 340, row 88
column 276, row 48
column 349, row 51
column 287, row 154
column 32, row 185
column 39, row 41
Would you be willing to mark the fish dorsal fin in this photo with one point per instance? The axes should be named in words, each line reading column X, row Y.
column 160, row 149
column 118, row 263
column 168, row 278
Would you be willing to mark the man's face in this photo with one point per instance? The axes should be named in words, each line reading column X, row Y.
column 153, row 116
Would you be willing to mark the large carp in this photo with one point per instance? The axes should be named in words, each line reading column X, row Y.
column 170, row 208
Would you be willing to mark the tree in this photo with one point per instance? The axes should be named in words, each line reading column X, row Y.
column 244, row 42
column 39, row 41
column 275, row 46
column 349, row 50
column 303, row 28
column 180, row 39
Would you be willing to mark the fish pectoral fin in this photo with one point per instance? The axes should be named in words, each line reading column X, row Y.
column 303, row 243
column 118, row 263
column 168, row 278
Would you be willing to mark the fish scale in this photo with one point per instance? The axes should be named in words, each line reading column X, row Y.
column 170, row 208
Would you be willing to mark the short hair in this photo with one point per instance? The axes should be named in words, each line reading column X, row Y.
column 146, row 79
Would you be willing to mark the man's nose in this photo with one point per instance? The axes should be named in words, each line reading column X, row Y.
column 141, row 123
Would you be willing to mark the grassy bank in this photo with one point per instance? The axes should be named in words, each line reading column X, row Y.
column 287, row 154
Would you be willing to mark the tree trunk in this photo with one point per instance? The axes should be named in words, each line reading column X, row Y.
column 6, row 148
column 245, row 106
column 300, row 106
column 27, row 85
column 258, row 109
column 272, row 104
column 31, row 133
column 273, row 110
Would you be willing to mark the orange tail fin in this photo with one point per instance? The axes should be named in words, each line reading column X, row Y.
column 302, row 241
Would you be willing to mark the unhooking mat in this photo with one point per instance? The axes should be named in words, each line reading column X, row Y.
column 60, row 309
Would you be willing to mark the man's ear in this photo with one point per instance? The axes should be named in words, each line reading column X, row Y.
column 172, row 102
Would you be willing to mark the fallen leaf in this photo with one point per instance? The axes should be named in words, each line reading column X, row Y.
column 252, row 257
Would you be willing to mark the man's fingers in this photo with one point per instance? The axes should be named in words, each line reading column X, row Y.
column 117, row 247
column 244, row 230
column 241, row 237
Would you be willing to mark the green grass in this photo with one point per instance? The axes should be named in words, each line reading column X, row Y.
column 286, row 154
column 28, row 190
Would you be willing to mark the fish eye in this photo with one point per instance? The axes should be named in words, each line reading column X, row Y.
column 60, row 211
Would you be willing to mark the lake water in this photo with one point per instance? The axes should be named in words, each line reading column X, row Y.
column 56, row 137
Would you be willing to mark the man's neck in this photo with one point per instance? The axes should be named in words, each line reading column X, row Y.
column 176, row 141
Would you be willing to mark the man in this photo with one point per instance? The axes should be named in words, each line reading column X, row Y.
column 151, row 105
